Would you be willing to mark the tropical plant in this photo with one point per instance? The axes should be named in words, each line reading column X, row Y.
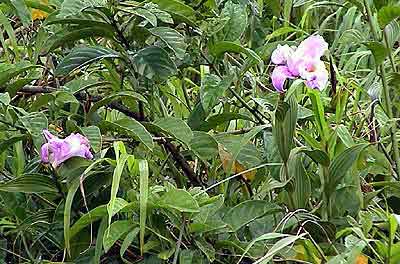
column 203, row 131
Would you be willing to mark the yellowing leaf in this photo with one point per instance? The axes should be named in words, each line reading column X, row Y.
column 361, row 259
column 39, row 14
column 226, row 159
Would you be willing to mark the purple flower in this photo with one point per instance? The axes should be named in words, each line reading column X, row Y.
column 57, row 150
column 301, row 62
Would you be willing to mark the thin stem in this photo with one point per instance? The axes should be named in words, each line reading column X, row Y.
column 179, row 242
column 386, row 94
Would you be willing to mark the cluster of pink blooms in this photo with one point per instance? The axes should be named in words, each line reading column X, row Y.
column 302, row 62
column 57, row 150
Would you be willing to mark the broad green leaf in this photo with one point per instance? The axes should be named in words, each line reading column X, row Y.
column 248, row 211
column 172, row 38
column 10, row 71
column 22, row 11
column 96, row 214
column 221, row 119
column 180, row 200
column 130, row 127
column 94, row 136
column 285, row 124
column 342, row 164
column 345, row 136
column 378, row 50
column 178, row 10
column 212, row 88
column 147, row 15
column 154, row 62
column 6, row 143
column 387, row 14
column 67, row 35
column 5, row 98
column 144, row 194
column 318, row 156
column 204, row 145
column 30, row 183
column 115, row 231
column 35, row 123
column 176, row 127
column 236, row 24
column 301, row 180
column 73, row 7
column 80, row 57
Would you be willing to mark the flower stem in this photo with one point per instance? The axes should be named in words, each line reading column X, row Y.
column 386, row 94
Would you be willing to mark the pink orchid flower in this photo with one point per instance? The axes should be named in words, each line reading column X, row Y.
column 57, row 150
column 303, row 62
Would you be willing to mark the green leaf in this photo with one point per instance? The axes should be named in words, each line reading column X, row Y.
column 378, row 50
column 178, row 10
column 147, row 15
column 342, row 164
column 68, row 35
column 73, row 7
column 236, row 24
column 285, row 125
column 35, row 123
column 345, row 136
column 172, row 38
column 5, row 98
column 80, row 57
column 154, row 62
column 212, row 88
column 206, row 248
column 114, row 232
column 6, row 143
column 144, row 194
column 204, row 145
column 278, row 246
column 29, row 183
column 22, row 11
column 94, row 136
column 302, row 183
column 96, row 214
column 10, row 71
column 319, row 113
column 221, row 119
column 121, row 160
column 318, row 156
column 387, row 14
column 248, row 211
column 180, row 200
column 176, row 127
column 116, row 96
column 281, row 31
column 130, row 127
column 127, row 242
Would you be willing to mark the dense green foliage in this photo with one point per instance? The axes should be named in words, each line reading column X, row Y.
column 197, row 159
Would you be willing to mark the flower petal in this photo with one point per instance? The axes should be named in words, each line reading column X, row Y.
column 44, row 153
column 279, row 76
column 316, row 76
column 281, row 54
column 312, row 47
column 47, row 135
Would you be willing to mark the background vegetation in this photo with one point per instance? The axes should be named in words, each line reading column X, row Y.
column 197, row 159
